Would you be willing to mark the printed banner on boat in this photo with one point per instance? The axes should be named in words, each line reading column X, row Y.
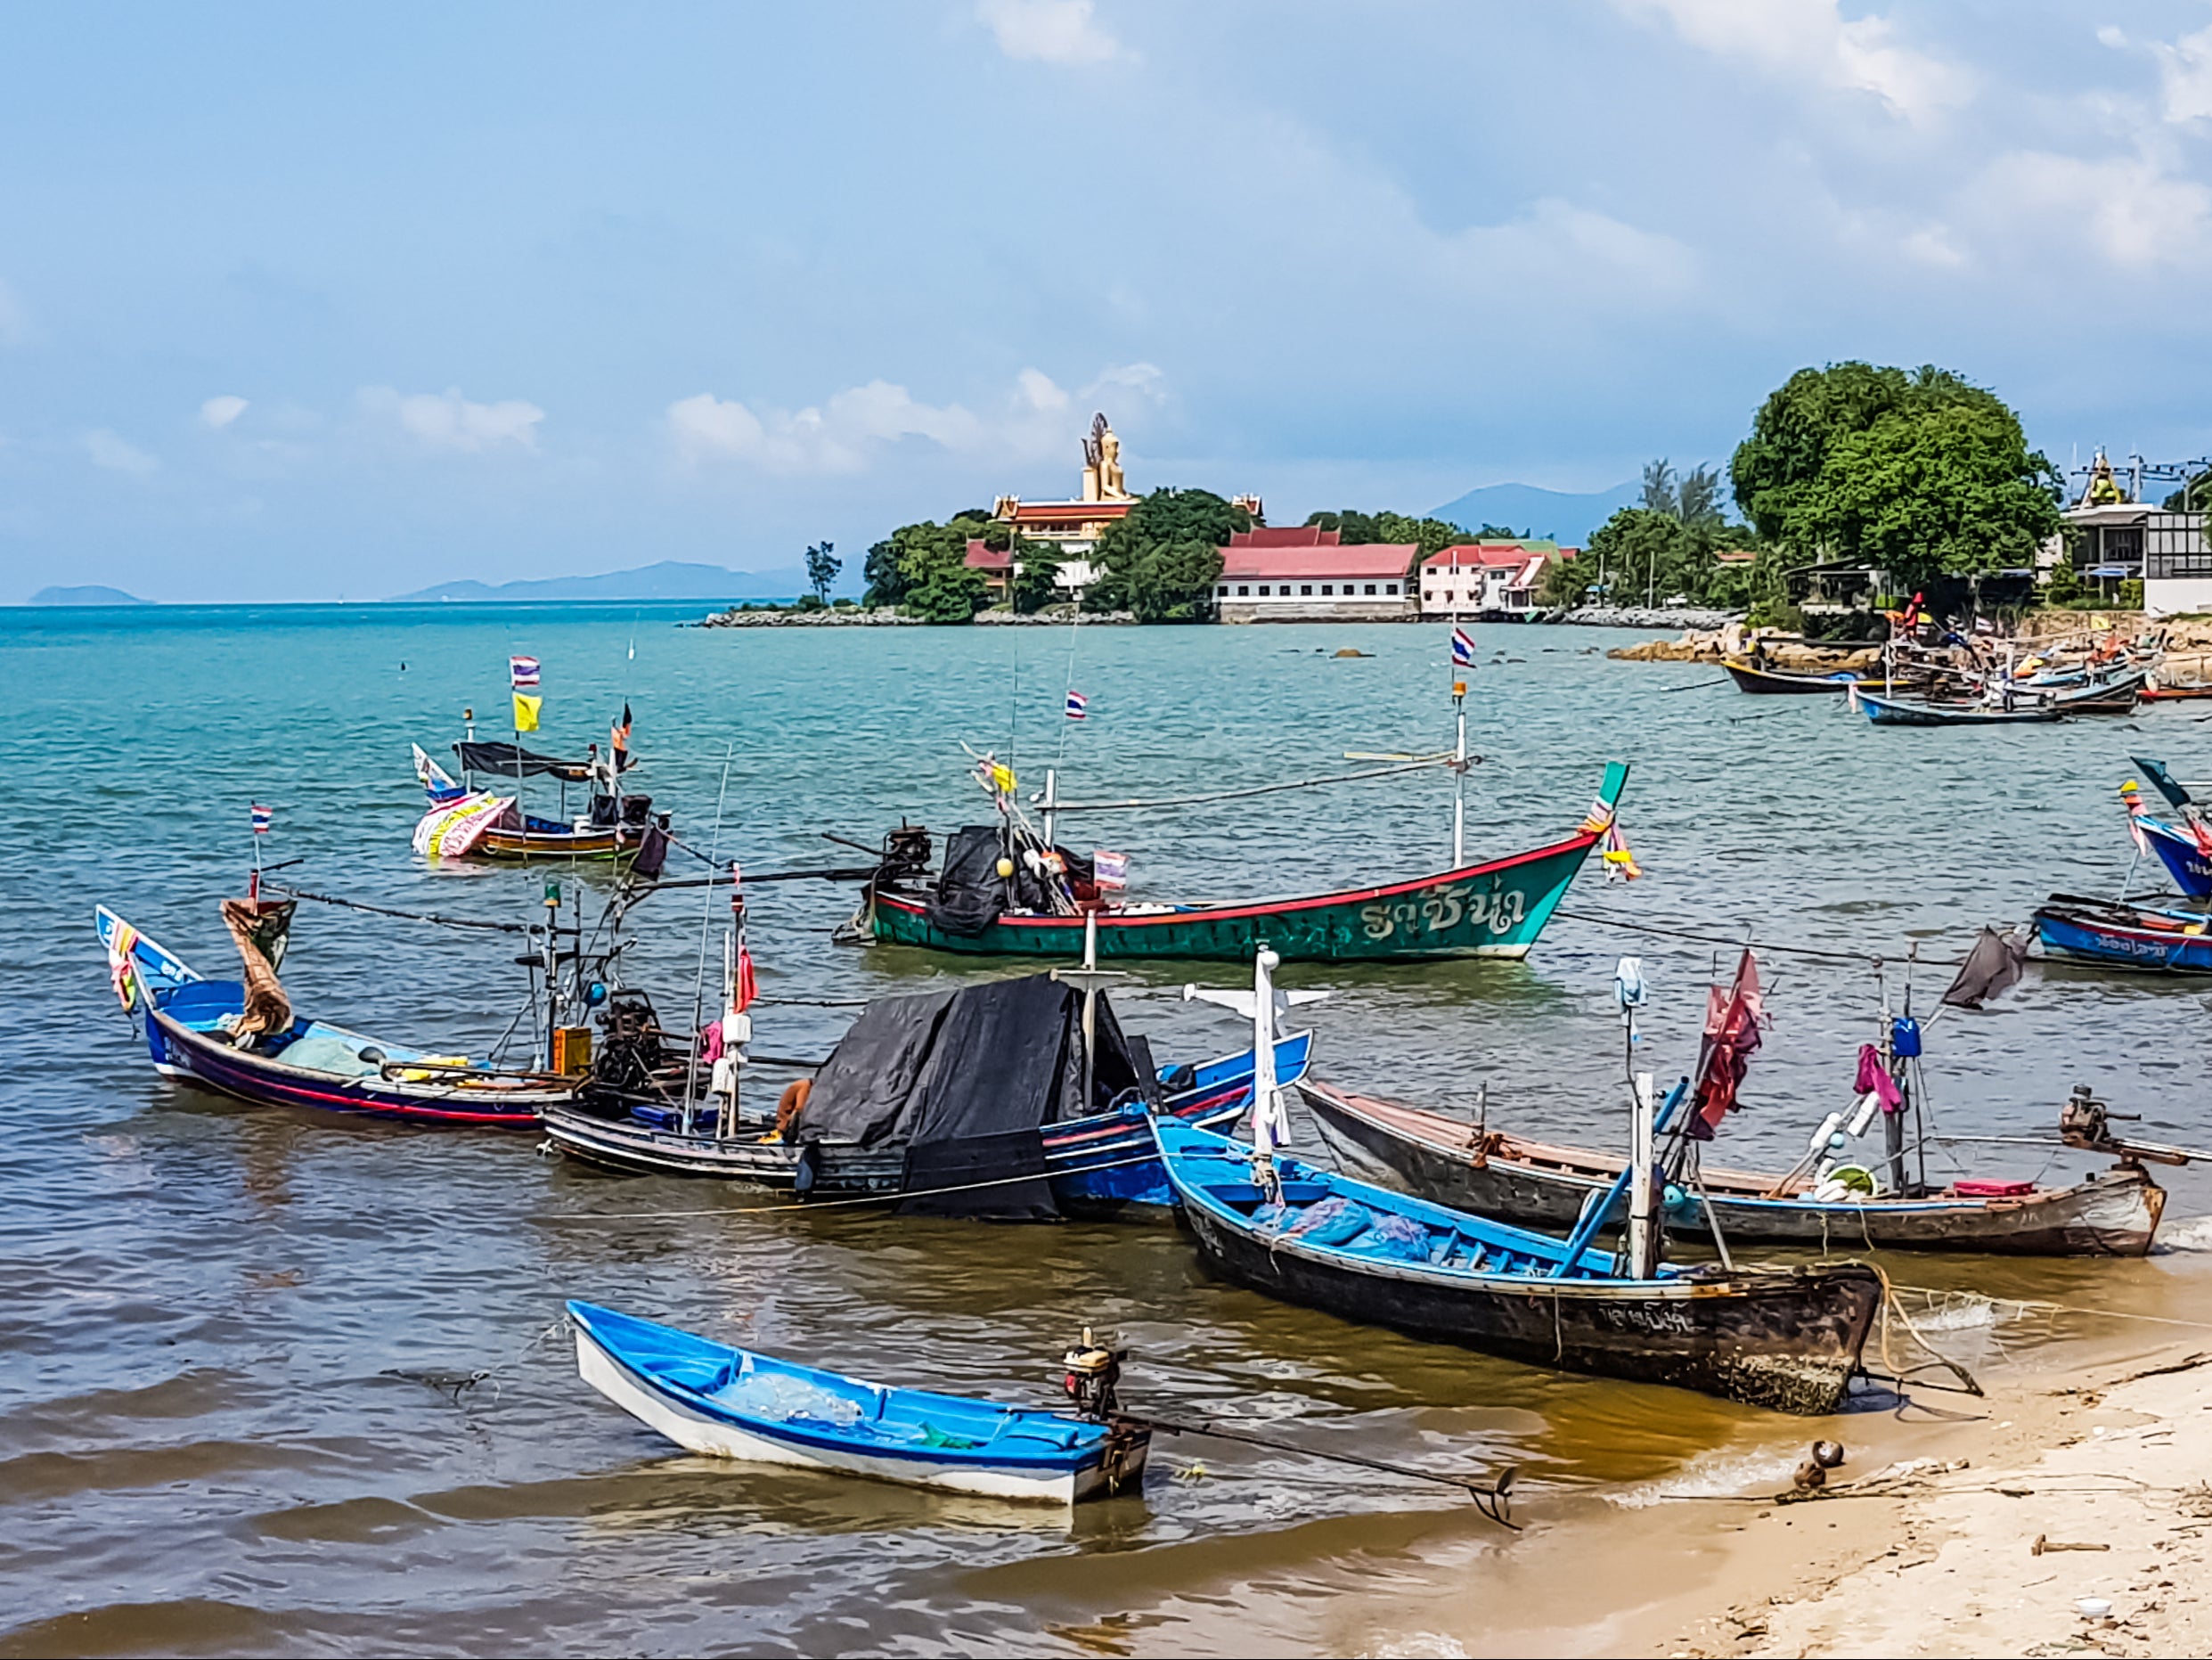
column 453, row 827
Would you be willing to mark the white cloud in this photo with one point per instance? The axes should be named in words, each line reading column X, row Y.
column 1811, row 40
column 2126, row 208
column 1048, row 31
column 447, row 421
column 109, row 450
column 2185, row 77
column 843, row 433
column 220, row 412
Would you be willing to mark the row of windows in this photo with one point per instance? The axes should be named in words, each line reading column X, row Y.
column 1282, row 589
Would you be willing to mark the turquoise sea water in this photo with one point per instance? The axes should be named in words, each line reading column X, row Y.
column 202, row 1443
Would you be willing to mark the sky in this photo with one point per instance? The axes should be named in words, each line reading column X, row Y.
column 302, row 303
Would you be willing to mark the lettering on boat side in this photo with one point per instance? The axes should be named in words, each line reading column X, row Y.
column 1441, row 909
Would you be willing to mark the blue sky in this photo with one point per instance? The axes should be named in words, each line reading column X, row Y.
column 297, row 302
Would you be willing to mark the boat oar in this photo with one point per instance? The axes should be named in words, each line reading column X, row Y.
column 1694, row 686
column 1493, row 1498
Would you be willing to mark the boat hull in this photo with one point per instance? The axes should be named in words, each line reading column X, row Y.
column 1116, row 1465
column 1494, row 910
column 2087, row 937
column 1899, row 712
column 2185, row 861
column 1770, row 682
column 180, row 1052
column 2112, row 1215
column 1789, row 1340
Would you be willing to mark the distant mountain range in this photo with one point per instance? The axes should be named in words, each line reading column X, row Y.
column 90, row 593
column 1553, row 513
column 670, row 579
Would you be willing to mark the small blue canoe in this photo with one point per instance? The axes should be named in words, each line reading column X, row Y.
column 730, row 1402
column 2127, row 936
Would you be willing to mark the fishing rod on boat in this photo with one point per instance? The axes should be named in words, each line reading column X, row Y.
column 1092, row 1382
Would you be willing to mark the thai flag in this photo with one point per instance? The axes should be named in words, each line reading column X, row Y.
column 263, row 817
column 1462, row 648
column 522, row 673
column 1109, row 870
column 1078, row 705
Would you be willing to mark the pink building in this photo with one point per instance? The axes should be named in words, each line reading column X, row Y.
column 1497, row 578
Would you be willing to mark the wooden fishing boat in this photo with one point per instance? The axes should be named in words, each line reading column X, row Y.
column 198, row 1030
column 1757, row 677
column 461, row 820
column 1541, row 1185
column 2172, row 940
column 1101, row 1163
column 2184, row 848
column 1788, row 1338
column 729, row 1403
column 1888, row 711
column 2159, row 691
column 1494, row 908
column 2102, row 691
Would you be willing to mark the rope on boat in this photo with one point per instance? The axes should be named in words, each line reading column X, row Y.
column 1937, row 1356
column 405, row 916
column 866, row 1199
column 1738, row 940
column 2042, row 1307
column 1421, row 765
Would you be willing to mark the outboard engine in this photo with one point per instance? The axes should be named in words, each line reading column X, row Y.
column 1093, row 1374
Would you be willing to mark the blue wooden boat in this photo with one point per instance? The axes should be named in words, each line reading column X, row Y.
column 1889, row 711
column 2174, row 941
column 192, row 1033
column 1783, row 1337
column 726, row 1402
column 2186, row 848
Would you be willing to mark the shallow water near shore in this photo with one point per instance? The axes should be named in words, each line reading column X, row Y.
column 222, row 1426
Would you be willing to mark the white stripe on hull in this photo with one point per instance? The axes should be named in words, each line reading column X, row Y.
column 698, row 1432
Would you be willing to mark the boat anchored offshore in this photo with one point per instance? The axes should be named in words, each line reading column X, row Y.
column 2183, row 844
column 464, row 818
column 1007, row 890
column 730, row 1402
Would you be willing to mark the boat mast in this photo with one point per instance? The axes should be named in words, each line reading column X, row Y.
column 1090, row 977
column 1459, row 777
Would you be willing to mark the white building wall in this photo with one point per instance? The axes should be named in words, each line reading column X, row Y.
column 2166, row 596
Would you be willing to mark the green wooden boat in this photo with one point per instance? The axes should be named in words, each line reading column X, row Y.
column 1495, row 908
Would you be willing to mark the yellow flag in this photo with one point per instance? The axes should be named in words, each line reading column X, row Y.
column 526, row 712
column 1002, row 777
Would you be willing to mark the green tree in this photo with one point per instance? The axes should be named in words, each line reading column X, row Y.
column 1929, row 490
column 1161, row 561
column 924, row 568
column 1815, row 409
column 1647, row 555
column 1036, row 575
column 822, row 567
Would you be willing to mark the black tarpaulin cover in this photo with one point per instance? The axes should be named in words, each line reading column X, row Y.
column 508, row 760
column 970, row 893
column 965, row 1081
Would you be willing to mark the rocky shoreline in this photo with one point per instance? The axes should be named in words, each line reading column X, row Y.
column 884, row 616
column 1641, row 616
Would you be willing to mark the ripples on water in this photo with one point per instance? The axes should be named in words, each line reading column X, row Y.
column 205, row 1445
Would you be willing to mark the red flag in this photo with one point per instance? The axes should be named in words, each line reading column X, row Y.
column 1732, row 1022
column 746, row 990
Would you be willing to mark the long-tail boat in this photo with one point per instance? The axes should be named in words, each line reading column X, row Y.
column 2170, row 939
column 999, row 894
column 1832, row 1196
column 1789, row 1338
column 2185, row 848
column 1757, row 677
column 467, row 818
column 241, row 1037
column 884, row 1114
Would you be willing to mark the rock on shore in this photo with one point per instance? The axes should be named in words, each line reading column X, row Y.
column 1786, row 652
column 1643, row 616
column 885, row 616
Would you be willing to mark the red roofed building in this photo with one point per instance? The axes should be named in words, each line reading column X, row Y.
column 997, row 565
column 1300, row 574
column 1487, row 578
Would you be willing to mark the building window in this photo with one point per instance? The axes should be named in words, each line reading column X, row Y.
column 1392, row 589
column 1225, row 591
column 1427, row 594
column 1305, row 588
column 1244, row 591
column 1328, row 588
column 1370, row 587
